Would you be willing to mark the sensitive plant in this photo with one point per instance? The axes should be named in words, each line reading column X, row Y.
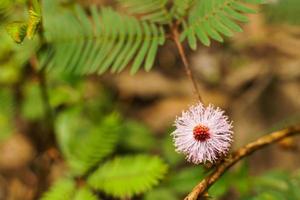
column 91, row 45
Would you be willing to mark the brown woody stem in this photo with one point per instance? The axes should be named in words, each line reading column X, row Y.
column 202, row 187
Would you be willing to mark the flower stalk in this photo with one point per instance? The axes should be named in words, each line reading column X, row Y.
column 186, row 65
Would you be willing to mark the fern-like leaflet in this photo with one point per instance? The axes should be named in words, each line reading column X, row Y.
column 154, row 11
column 181, row 8
column 210, row 19
column 105, row 39
column 128, row 176
column 109, row 41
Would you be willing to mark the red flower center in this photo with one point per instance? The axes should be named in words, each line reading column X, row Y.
column 201, row 133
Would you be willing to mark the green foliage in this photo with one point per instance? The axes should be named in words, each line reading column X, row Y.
column 65, row 189
column 128, row 175
column 276, row 185
column 32, row 107
column 85, row 143
column 183, row 180
column 94, row 46
column 63, row 95
column 14, row 57
column 6, row 110
column 33, row 23
column 212, row 19
column 17, row 31
column 61, row 190
column 168, row 152
column 283, row 11
column 86, row 139
column 147, row 10
column 85, row 194
column 181, row 8
column 237, row 179
column 4, row 9
column 161, row 194
column 100, row 39
column 138, row 137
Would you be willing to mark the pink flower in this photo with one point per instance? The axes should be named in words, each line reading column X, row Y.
column 203, row 134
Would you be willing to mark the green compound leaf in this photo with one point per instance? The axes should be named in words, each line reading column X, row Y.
column 211, row 19
column 127, row 176
column 92, row 45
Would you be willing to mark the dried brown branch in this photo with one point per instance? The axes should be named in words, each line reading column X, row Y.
column 266, row 140
column 185, row 62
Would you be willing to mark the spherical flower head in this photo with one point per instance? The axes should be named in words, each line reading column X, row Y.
column 203, row 134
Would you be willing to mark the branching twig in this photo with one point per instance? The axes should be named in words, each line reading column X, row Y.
column 207, row 182
column 185, row 62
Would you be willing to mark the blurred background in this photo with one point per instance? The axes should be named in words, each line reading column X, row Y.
column 254, row 76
